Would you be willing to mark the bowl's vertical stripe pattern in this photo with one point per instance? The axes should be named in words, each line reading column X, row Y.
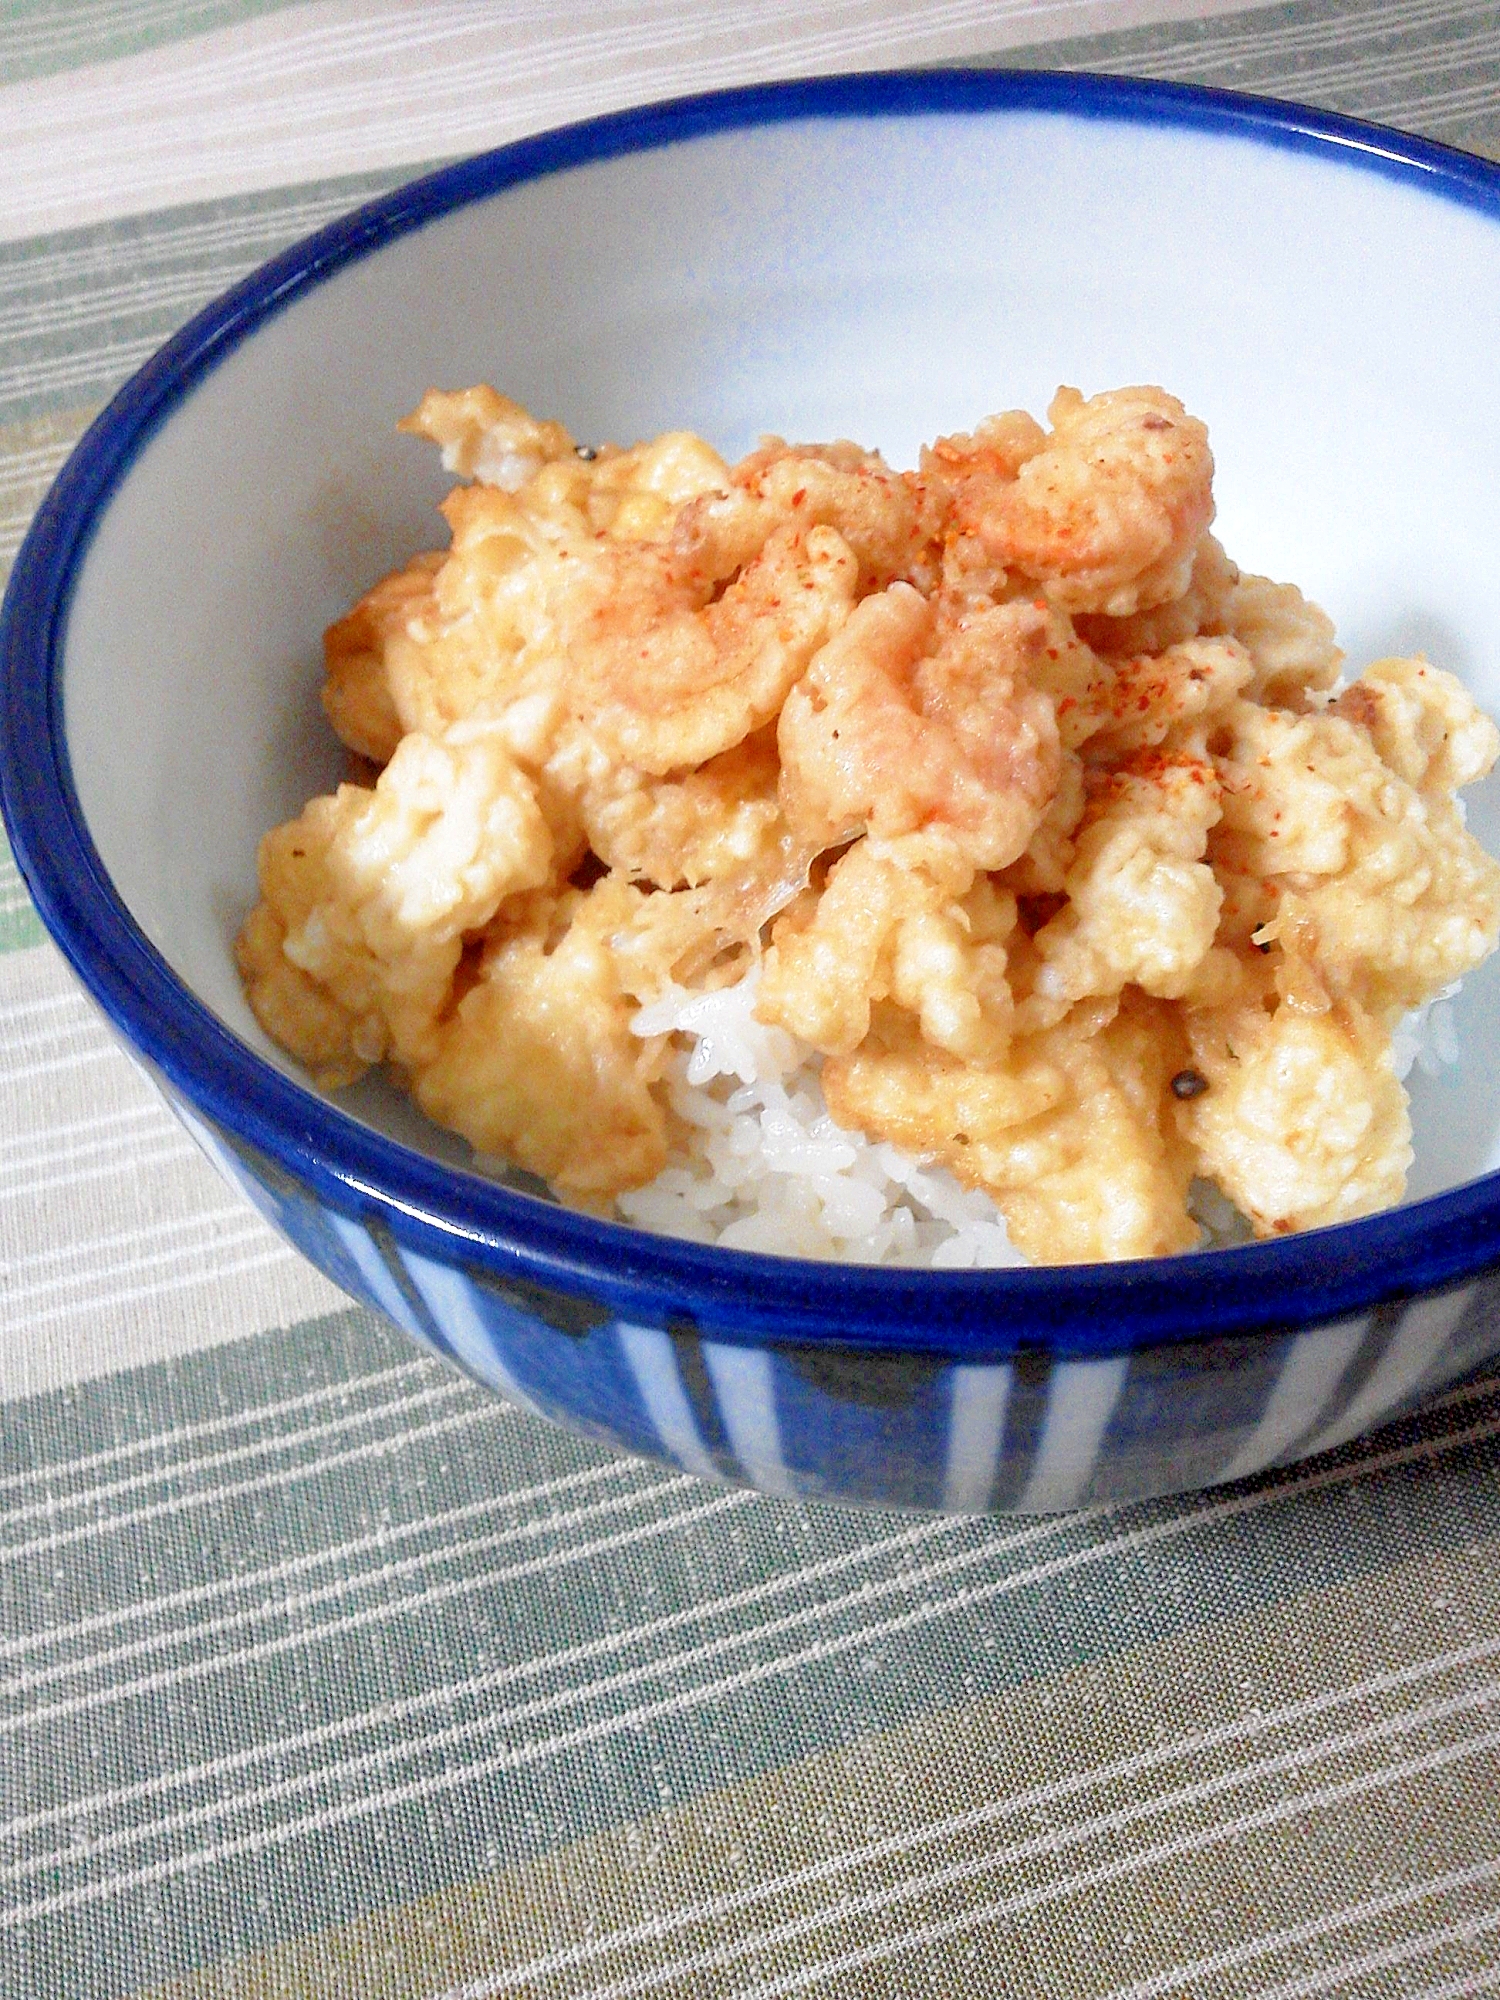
column 1030, row 1434
column 1417, row 1337
column 744, row 1380
column 1308, row 1379
column 978, row 1397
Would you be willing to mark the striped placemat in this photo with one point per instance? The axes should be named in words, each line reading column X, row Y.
column 322, row 1673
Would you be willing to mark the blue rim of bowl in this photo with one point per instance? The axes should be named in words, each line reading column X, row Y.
column 1321, row 1275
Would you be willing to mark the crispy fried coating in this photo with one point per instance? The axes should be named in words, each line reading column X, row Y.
column 1142, row 904
column 670, row 664
column 971, row 471
column 1377, row 885
column 1304, row 1121
column 1202, row 611
column 1148, row 700
column 1423, row 724
column 357, row 693
column 484, row 435
column 891, row 521
column 366, row 899
column 900, row 920
column 906, row 723
column 1035, row 1131
column 538, row 1064
column 1048, row 831
column 1290, row 642
column 722, row 820
column 335, row 1040
column 482, row 626
column 1108, row 515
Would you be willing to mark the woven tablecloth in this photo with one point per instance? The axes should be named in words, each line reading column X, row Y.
column 321, row 1671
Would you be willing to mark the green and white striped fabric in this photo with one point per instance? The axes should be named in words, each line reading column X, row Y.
column 322, row 1673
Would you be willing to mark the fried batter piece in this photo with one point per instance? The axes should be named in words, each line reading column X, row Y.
column 906, row 722
column 1377, row 886
column 1345, row 859
column 484, row 435
column 366, row 899
column 1035, row 1131
column 1050, row 834
column 1290, row 643
column 358, row 695
column 1423, row 724
column 1142, row 903
column 1304, row 1121
column 1202, row 611
column 1108, row 514
column 901, row 920
column 481, row 626
column 539, row 1064
column 1141, row 701
column 717, row 822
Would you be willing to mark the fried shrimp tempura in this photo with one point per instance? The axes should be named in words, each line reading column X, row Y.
column 671, row 661
column 1108, row 511
column 904, row 723
column 1051, row 835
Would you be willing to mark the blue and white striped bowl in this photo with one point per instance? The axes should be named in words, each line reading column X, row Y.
column 882, row 257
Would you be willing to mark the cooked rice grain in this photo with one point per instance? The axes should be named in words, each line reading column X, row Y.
column 765, row 1167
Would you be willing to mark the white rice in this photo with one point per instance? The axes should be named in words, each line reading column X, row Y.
column 764, row 1166
column 1427, row 1037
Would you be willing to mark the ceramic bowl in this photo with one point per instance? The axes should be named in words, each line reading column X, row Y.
column 878, row 257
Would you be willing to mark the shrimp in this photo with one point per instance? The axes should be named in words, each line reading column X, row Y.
column 1204, row 610
column 904, row 723
column 1111, row 705
column 668, row 669
column 477, row 628
column 1174, row 697
column 890, row 520
column 1109, row 514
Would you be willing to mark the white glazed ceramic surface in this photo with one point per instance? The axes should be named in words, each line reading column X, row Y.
column 881, row 278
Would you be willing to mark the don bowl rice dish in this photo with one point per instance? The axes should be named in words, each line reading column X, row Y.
column 962, row 865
